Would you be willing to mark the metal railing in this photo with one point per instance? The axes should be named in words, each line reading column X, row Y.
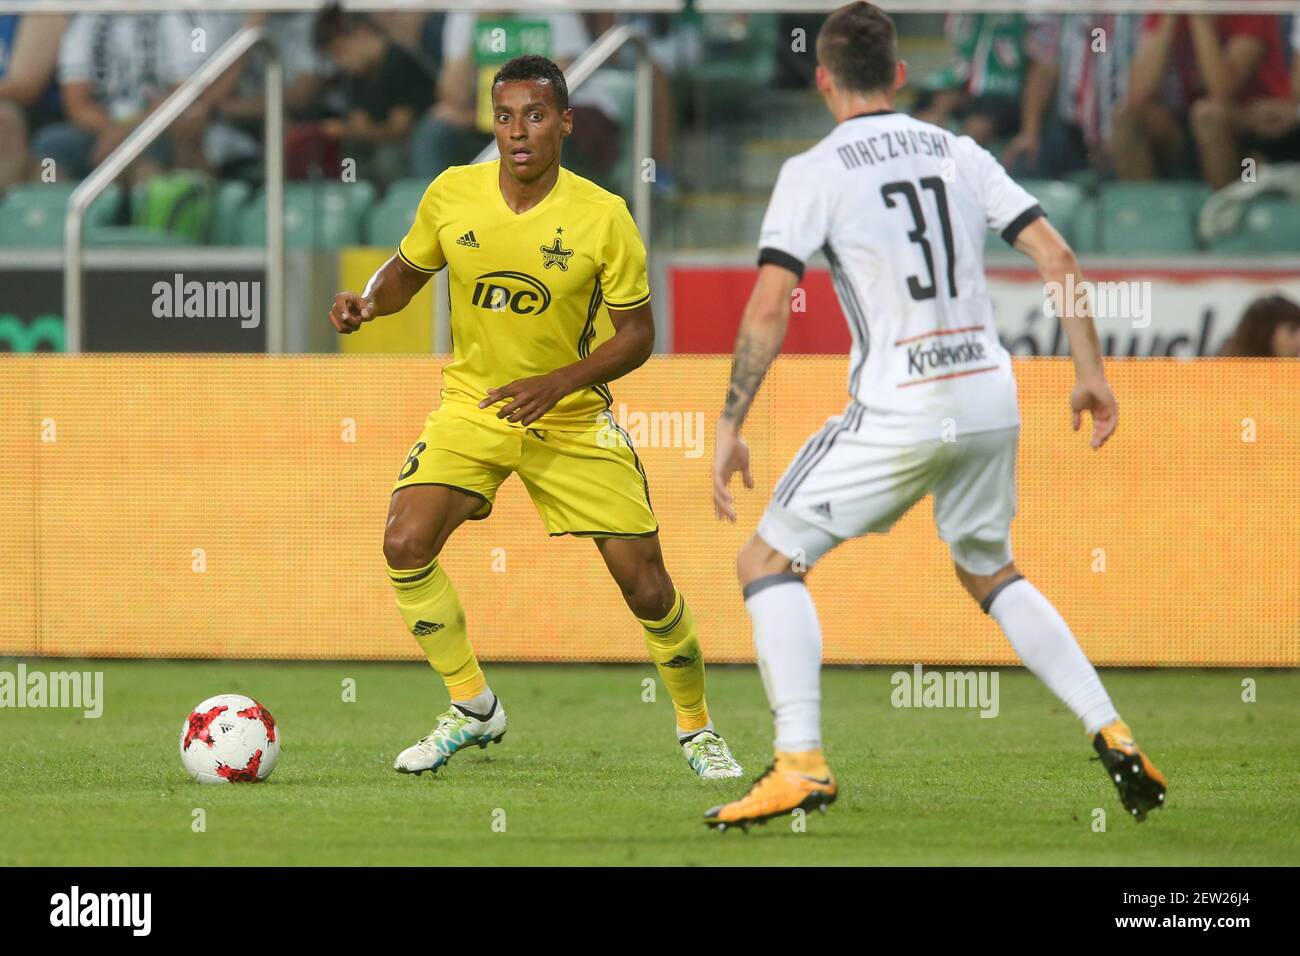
column 180, row 100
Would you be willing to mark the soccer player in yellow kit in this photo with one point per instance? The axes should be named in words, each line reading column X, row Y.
column 533, row 254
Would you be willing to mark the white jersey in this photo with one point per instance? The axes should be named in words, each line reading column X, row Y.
column 901, row 209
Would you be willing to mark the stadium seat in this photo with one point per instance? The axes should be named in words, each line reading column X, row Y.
column 1269, row 224
column 1086, row 237
column 1062, row 202
column 738, row 51
column 391, row 217
column 316, row 215
column 1150, row 217
column 31, row 214
column 739, row 57
column 232, row 196
column 114, row 235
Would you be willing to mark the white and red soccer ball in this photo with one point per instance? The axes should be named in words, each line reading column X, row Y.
column 230, row 739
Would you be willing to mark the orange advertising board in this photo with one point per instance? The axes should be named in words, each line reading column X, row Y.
column 222, row 506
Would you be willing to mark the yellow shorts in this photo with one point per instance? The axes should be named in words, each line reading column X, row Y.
column 588, row 482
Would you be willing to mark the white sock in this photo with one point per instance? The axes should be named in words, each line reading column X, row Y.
column 788, row 641
column 1044, row 642
column 479, row 704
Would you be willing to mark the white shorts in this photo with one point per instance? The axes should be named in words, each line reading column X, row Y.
column 858, row 476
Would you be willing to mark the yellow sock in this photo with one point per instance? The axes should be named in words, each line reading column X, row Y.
column 433, row 614
column 675, row 650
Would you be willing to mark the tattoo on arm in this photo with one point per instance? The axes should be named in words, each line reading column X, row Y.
column 750, row 365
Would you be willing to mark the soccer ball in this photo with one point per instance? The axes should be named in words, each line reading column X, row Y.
column 230, row 739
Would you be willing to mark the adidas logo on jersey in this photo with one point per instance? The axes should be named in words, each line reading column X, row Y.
column 468, row 240
column 823, row 509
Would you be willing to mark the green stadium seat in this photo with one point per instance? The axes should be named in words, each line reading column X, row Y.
column 232, row 196
column 134, row 236
column 391, row 217
column 1086, row 237
column 739, row 57
column 747, row 58
column 1269, row 224
column 1062, row 202
column 31, row 214
column 316, row 215
column 1150, row 217
column 361, row 197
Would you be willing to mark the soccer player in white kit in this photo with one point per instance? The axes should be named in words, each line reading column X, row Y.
column 900, row 209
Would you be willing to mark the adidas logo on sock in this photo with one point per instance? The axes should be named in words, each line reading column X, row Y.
column 679, row 661
column 425, row 627
column 468, row 240
column 823, row 509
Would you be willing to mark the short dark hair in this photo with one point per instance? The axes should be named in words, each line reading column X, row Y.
column 537, row 68
column 859, row 46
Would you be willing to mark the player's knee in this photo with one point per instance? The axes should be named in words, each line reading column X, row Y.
column 408, row 547
column 650, row 595
column 968, row 581
column 980, row 586
column 758, row 559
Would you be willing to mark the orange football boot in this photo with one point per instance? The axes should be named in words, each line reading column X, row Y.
column 782, row 789
column 1141, row 786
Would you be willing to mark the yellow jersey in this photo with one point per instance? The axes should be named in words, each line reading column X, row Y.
column 527, row 289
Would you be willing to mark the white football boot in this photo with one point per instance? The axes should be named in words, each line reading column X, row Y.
column 709, row 755
column 457, row 728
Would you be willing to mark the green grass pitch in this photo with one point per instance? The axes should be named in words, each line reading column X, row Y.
column 589, row 774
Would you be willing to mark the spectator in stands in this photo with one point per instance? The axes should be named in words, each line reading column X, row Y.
column 675, row 47
column 386, row 87
column 29, row 95
column 1270, row 327
column 981, row 89
column 1273, row 122
column 460, row 124
column 1076, row 81
column 1198, row 74
column 114, row 70
column 405, row 27
column 232, row 141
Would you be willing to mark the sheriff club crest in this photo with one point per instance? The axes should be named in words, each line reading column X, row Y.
column 555, row 254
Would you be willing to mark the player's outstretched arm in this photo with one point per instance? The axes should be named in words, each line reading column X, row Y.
column 388, row 291
column 528, row 399
column 758, row 342
column 1056, row 261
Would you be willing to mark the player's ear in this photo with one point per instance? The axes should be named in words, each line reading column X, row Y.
column 822, row 77
column 900, row 75
column 566, row 127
